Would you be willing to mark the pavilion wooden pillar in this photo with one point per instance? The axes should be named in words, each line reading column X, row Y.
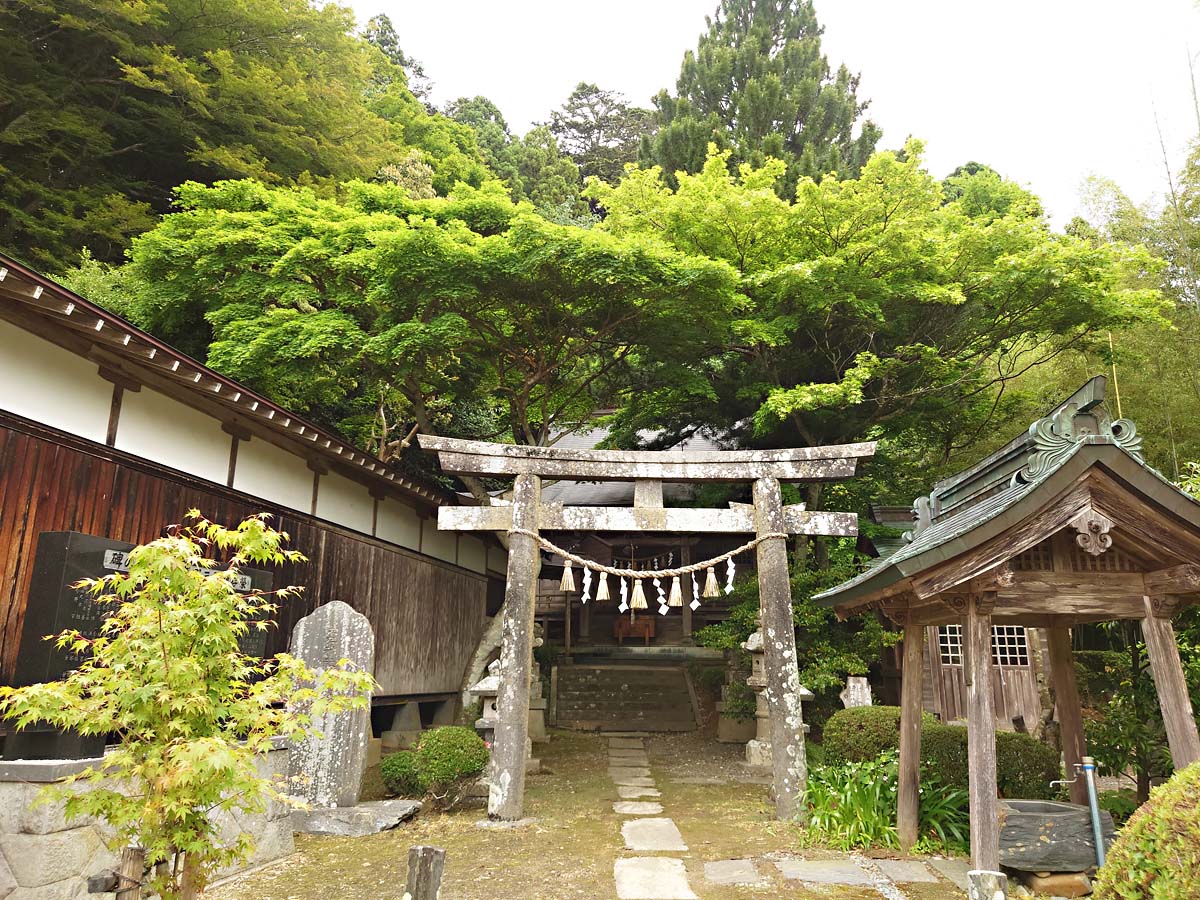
column 1066, row 702
column 506, row 796
column 1169, row 681
column 981, row 732
column 788, row 764
column 912, row 676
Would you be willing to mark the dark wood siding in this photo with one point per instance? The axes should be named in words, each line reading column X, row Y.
column 427, row 615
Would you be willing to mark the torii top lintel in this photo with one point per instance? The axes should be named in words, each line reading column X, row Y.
column 832, row 463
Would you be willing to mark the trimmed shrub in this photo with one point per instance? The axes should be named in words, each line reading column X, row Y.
column 399, row 772
column 1024, row 767
column 861, row 733
column 447, row 755
column 1157, row 854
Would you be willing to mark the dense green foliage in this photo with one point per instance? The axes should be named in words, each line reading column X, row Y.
column 109, row 106
column 399, row 773
column 1024, row 766
column 600, row 131
column 852, row 805
column 445, row 756
column 375, row 309
column 759, row 85
column 193, row 714
column 1157, row 854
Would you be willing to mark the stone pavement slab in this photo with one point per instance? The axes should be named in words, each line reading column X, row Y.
column 652, row 835
column 626, row 744
column 633, row 793
column 732, row 871
column 822, row 871
column 905, row 871
column 652, row 878
column 617, row 757
column 954, row 870
column 629, row 771
column 627, row 781
column 637, row 808
column 699, row 779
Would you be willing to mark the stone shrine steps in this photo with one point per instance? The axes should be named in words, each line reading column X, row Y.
column 616, row 697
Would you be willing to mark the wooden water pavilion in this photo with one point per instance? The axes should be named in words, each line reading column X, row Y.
column 1065, row 525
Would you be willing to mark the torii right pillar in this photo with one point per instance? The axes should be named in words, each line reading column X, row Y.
column 788, row 764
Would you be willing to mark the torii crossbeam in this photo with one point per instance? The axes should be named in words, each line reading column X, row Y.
column 768, row 518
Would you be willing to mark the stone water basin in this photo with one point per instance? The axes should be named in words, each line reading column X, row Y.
column 1048, row 836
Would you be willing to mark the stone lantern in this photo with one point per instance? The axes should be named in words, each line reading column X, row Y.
column 486, row 690
column 758, row 750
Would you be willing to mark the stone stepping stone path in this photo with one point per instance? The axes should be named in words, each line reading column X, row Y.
column 652, row 836
column 626, row 792
column 823, row 871
column 733, row 871
column 644, row 877
column 906, row 871
column 652, row 878
column 637, row 808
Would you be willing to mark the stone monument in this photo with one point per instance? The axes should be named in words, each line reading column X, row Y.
column 857, row 692
column 326, row 769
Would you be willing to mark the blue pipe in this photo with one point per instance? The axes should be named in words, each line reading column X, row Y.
column 1089, row 774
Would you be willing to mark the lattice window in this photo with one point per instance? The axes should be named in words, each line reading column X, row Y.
column 1038, row 558
column 1010, row 645
column 950, row 646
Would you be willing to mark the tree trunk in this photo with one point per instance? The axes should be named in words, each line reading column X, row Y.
column 192, row 880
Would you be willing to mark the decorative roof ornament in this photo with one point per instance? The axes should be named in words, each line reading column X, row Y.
column 1055, row 437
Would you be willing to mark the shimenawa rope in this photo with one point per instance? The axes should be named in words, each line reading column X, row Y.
column 647, row 573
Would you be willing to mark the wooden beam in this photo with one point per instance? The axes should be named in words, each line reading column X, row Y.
column 789, row 767
column 1173, row 697
column 506, row 793
column 981, row 734
column 1066, row 703
column 554, row 517
column 1183, row 579
column 909, row 797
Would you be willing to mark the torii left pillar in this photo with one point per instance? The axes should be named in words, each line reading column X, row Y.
column 506, row 795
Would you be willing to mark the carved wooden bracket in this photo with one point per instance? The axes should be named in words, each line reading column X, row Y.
column 1164, row 607
column 898, row 613
column 1093, row 529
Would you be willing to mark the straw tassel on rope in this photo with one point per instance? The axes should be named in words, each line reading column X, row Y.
column 602, row 591
column 568, row 579
column 638, row 600
column 710, row 584
column 675, row 598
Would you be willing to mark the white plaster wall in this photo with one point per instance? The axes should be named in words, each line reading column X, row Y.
column 43, row 382
column 399, row 524
column 158, row 428
column 346, row 502
column 266, row 471
column 438, row 544
column 472, row 554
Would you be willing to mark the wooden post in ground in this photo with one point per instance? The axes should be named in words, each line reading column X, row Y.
column 788, row 764
column 1066, row 702
column 909, row 796
column 425, row 866
column 130, row 873
column 506, row 796
column 981, row 732
column 1169, row 682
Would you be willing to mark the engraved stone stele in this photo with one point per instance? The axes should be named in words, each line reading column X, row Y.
column 326, row 769
column 857, row 692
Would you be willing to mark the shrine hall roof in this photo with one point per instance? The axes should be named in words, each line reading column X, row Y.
column 972, row 506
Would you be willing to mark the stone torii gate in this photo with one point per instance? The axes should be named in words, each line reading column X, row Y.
column 526, row 517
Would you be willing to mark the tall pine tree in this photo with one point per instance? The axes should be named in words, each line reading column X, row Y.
column 759, row 85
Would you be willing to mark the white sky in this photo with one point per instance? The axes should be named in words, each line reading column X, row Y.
column 1046, row 92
